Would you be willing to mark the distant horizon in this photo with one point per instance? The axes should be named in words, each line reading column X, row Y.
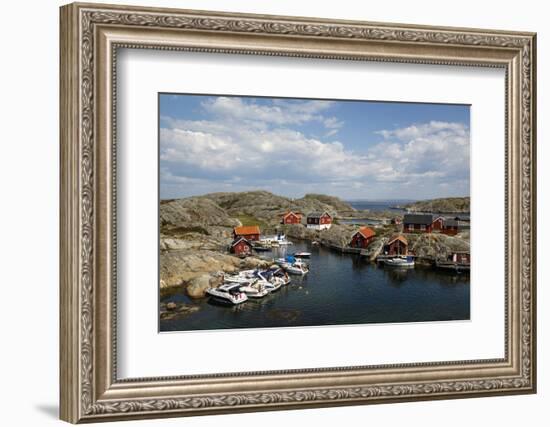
column 360, row 150
column 305, row 194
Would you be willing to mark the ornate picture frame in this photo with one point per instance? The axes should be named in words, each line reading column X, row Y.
column 90, row 37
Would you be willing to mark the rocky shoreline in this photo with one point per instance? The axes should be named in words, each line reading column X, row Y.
column 196, row 233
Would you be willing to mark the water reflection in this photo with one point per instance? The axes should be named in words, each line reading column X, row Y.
column 397, row 276
column 359, row 263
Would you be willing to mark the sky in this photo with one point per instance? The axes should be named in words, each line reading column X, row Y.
column 355, row 150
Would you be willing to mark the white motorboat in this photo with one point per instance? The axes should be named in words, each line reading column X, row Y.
column 275, row 241
column 241, row 277
column 400, row 262
column 270, row 280
column 255, row 290
column 298, row 268
column 237, row 278
column 274, row 285
column 293, row 266
column 302, row 254
column 282, row 274
column 228, row 292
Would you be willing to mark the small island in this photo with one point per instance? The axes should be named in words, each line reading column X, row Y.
column 458, row 205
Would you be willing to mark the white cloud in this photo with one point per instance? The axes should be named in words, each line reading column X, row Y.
column 429, row 150
column 249, row 145
column 280, row 112
column 333, row 123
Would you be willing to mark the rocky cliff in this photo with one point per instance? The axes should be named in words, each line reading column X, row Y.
column 268, row 207
column 443, row 205
column 196, row 233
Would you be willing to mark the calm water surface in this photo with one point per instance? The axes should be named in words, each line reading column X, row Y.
column 339, row 289
column 379, row 205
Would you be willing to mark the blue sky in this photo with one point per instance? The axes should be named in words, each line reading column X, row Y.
column 350, row 149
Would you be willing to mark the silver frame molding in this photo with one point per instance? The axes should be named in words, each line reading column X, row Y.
column 90, row 37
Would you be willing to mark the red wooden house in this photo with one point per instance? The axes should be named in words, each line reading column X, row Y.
column 438, row 223
column 450, row 227
column 421, row 223
column 292, row 218
column 397, row 246
column 249, row 232
column 241, row 247
column 362, row 238
column 319, row 220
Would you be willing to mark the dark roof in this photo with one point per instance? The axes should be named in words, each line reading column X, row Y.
column 450, row 223
column 421, row 219
column 317, row 214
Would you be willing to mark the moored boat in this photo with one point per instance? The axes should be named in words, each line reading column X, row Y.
column 261, row 247
column 283, row 275
column 254, row 290
column 270, row 280
column 294, row 266
column 302, row 254
column 297, row 268
column 276, row 241
column 243, row 277
column 228, row 292
column 407, row 261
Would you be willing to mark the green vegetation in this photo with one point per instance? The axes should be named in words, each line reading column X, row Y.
column 252, row 220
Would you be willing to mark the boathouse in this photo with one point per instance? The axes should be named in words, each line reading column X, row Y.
column 241, row 246
column 249, row 232
column 460, row 257
column 319, row 220
column 450, row 227
column 292, row 218
column 362, row 238
column 397, row 246
column 419, row 223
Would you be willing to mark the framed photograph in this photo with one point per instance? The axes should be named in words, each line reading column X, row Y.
column 266, row 213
